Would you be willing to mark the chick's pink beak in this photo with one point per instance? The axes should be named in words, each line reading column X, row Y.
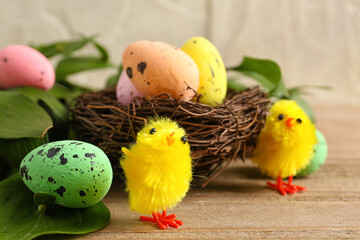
column 170, row 139
column 289, row 122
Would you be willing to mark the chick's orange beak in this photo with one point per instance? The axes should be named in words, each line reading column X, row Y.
column 170, row 139
column 289, row 122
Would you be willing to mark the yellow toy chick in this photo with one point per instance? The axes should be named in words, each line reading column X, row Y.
column 158, row 171
column 285, row 145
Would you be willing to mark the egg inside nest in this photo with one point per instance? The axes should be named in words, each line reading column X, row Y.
column 77, row 174
column 157, row 68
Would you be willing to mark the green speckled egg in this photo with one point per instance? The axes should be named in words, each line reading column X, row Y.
column 320, row 154
column 78, row 174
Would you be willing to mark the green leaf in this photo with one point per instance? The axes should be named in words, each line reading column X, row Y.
column 320, row 87
column 56, row 109
column 280, row 91
column 266, row 72
column 21, row 219
column 295, row 95
column 59, row 91
column 66, row 93
column 20, row 117
column 63, row 47
column 14, row 150
column 73, row 65
column 5, row 169
column 103, row 52
column 234, row 85
column 304, row 89
column 44, row 201
column 113, row 80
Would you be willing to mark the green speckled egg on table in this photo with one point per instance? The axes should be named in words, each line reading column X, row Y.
column 77, row 174
column 319, row 157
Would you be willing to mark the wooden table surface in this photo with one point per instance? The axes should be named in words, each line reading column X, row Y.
column 238, row 205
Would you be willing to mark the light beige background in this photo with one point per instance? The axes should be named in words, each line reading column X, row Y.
column 315, row 42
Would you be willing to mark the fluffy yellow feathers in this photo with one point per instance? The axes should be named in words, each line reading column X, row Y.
column 158, row 169
column 285, row 144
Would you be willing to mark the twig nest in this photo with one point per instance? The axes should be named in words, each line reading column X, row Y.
column 217, row 135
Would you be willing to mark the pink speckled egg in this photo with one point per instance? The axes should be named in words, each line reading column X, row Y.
column 125, row 90
column 24, row 66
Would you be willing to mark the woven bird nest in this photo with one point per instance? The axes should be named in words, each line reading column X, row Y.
column 217, row 135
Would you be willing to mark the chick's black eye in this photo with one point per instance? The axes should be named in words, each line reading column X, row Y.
column 183, row 139
column 152, row 131
column 281, row 116
column 299, row 121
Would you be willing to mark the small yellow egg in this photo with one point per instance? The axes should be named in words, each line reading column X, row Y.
column 213, row 81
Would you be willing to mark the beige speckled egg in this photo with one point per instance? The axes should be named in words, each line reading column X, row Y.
column 156, row 68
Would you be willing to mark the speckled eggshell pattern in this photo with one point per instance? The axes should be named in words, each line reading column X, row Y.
column 125, row 90
column 156, row 68
column 24, row 66
column 78, row 174
column 320, row 154
column 213, row 79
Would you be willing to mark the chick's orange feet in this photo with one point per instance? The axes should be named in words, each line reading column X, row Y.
column 286, row 188
column 163, row 220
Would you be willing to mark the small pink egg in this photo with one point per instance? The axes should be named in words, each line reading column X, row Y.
column 125, row 90
column 21, row 65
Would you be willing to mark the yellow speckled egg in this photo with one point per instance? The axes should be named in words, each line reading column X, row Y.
column 213, row 80
column 155, row 68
